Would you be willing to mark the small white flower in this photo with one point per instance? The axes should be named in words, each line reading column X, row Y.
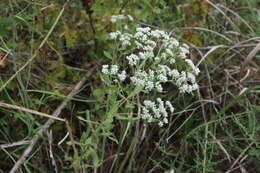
column 125, row 39
column 191, row 77
column 132, row 59
column 139, row 45
column 175, row 42
column 172, row 61
column 184, row 50
column 155, row 34
column 151, row 43
column 159, row 87
column 157, row 59
column 169, row 105
column 151, row 74
column 159, row 34
column 138, row 35
column 156, row 111
column 149, row 54
column 126, row 27
column 149, row 86
column 122, row 76
column 164, row 56
column 160, row 124
column 141, row 55
column 162, row 78
column 181, row 79
column 162, row 69
column 174, row 74
column 138, row 82
column 130, row 18
column 184, row 88
column 195, row 69
column 115, row 18
column 144, row 38
column 170, row 171
column 185, row 46
column 169, row 52
column 195, row 86
column 105, row 69
column 148, row 48
column 144, row 30
column 114, row 69
column 126, row 43
column 149, row 103
column 159, row 100
column 165, row 120
column 114, row 35
column 150, row 120
column 145, row 114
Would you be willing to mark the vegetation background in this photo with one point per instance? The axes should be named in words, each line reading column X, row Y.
column 47, row 46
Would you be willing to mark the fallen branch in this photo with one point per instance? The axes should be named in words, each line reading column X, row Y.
column 46, row 126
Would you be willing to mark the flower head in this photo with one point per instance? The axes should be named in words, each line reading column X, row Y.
column 156, row 111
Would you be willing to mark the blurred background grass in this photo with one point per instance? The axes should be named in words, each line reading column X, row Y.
column 216, row 130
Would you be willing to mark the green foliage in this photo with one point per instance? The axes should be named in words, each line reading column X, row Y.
column 6, row 24
column 209, row 130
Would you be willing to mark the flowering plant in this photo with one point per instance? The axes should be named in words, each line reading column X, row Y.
column 148, row 59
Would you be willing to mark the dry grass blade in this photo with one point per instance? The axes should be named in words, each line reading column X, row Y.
column 221, row 147
column 240, row 157
column 224, row 14
column 50, row 138
column 6, row 105
column 209, row 52
column 239, row 17
column 14, row 144
column 228, row 47
column 251, row 55
column 207, row 30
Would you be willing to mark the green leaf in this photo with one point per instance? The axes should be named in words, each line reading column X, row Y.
column 99, row 95
column 108, row 55
column 95, row 158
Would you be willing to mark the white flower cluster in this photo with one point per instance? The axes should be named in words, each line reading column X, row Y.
column 156, row 111
column 146, row 80
column 115, row 18
column 154, row 58
column 186, row 82
column 114, row 72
